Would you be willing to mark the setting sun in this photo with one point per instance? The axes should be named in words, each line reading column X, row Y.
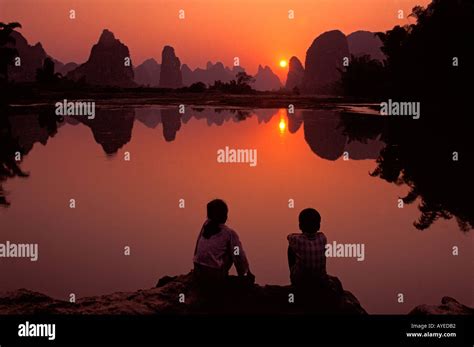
column 282, row 125
column 283, row 63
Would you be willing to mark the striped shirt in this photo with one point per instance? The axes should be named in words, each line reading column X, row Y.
column 310, row 258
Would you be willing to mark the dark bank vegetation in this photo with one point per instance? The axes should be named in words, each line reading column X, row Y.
column 432, row 156
column 7, row 53
column 428, row 62
column 424, row 61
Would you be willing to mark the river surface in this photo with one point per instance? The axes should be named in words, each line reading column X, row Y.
column 305, row 159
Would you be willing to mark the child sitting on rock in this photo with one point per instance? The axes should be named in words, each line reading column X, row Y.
column 306, row 252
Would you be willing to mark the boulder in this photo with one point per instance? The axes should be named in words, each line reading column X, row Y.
column 449, row 306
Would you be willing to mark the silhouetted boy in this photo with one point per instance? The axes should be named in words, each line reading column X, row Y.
column 306, row 252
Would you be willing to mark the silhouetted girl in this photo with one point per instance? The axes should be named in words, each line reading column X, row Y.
column 218, row 247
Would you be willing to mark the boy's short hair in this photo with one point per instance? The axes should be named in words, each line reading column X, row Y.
column 310, row 220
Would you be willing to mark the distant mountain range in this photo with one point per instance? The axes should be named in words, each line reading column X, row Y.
column 265, row 79
column 212, row 73
column 148, row 73
column 109, row 64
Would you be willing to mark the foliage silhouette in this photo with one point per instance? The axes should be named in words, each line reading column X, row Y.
column 7, row 54
column 428, row 60
column 46, row 75
column 364, row 77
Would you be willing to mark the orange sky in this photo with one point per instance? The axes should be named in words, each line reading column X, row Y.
column 257, row 31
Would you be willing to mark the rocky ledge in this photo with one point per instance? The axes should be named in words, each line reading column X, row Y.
column 180, row 295
column 448, row 306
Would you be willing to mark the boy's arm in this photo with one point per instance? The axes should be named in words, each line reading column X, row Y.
column 291, row 257
column 323, row 251
column 291, row 252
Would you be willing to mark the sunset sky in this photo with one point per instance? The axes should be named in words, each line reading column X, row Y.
column 258, row 32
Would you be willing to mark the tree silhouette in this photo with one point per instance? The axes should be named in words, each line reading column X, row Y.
column 364, row 76
column 441, row 185
column 9, row 147
column 432, row 58
column 431, row 156
column 241, row 85
column 7, row 54
column 429, row 60
column 46, row 75
column 244, row 79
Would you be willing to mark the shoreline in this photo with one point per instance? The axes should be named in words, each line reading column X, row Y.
column 154, row 96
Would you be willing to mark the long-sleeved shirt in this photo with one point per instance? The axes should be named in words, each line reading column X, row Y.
column 221, row 250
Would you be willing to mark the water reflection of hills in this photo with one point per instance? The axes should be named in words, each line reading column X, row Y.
column 323, row 129
column 112, row 129
column 325, row 134
column 172, row 119
column 401, row 156
column 18, row 134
